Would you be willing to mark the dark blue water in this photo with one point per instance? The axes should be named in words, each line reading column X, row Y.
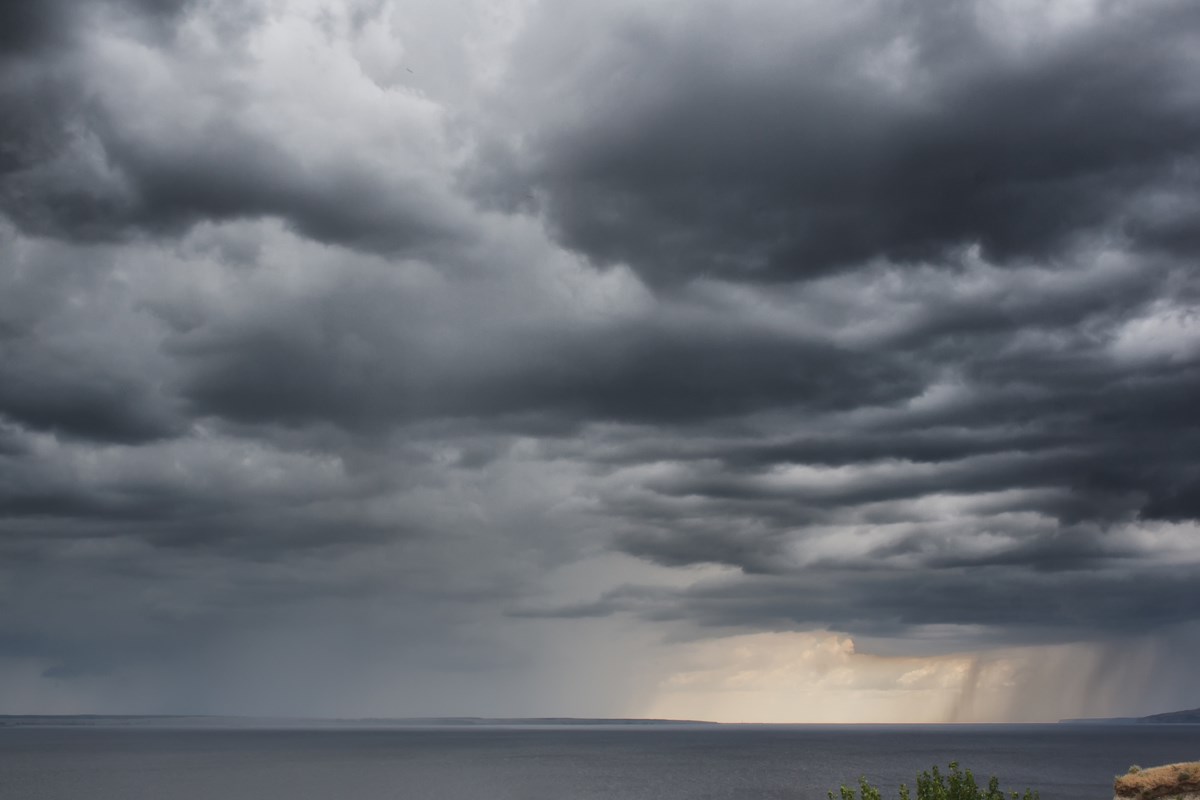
column 800, row 762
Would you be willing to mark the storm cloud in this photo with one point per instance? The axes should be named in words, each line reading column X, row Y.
column 789, row 142
column 356, row 357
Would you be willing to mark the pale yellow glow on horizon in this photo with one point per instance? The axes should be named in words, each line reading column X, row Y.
column 820, row 677
column 806, row 677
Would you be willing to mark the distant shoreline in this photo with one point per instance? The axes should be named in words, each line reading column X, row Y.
column 1188, row 717
column 211, row 721
column 215, row 721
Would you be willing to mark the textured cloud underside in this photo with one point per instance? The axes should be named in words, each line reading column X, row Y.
column 422, row 333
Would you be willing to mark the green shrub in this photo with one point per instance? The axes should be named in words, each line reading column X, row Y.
column 959, row 784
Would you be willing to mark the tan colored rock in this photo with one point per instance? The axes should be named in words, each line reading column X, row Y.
column 1180, row 781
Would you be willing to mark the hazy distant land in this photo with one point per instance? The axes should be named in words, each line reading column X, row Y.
column 203, row 721
column 1189, row 717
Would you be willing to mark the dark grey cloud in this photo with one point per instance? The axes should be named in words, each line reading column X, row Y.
column 993, row 606
column 68, row 363
column 642, row 372
column 24, row 24
column 71, row 398
column 879, row 320
column 26, row 28
column 230, row 174
column 707, row 146
column 1101, row 463
column 79, row 164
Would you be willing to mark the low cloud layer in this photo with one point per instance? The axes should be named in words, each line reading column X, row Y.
column 384, row 354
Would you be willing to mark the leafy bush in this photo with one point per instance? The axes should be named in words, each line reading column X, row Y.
column 959, row 784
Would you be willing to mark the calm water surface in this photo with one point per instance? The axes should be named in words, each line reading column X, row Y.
column 795, row 762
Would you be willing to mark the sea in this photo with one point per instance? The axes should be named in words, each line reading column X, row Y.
column 98, row 761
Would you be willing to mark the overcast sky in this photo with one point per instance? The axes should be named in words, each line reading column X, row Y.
column 775, row 360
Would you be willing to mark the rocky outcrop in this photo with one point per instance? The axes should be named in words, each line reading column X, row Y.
column 1172, row 780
